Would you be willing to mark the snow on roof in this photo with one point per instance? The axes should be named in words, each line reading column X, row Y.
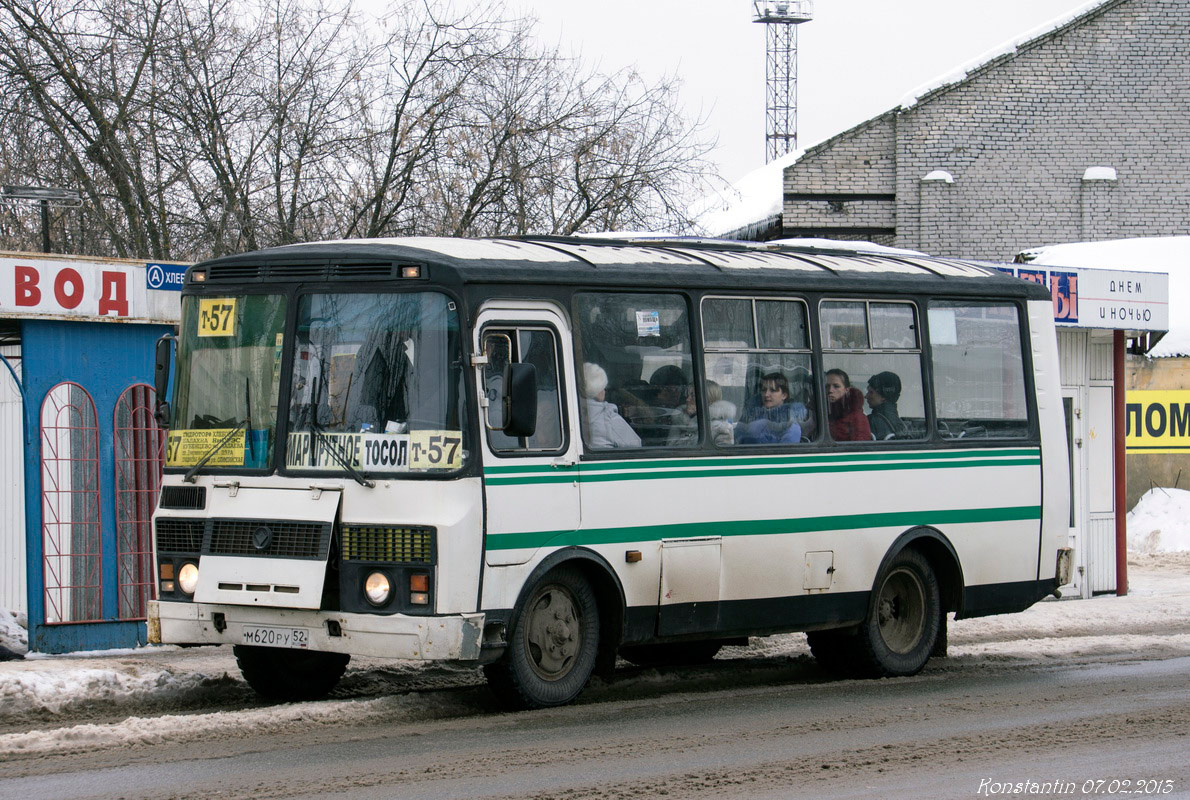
column 753, row 198
column 840, row 244
column 1153, row 254
column 962, row 72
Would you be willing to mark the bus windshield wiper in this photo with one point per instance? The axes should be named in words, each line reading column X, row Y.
column 202, row 462
column 332, row 446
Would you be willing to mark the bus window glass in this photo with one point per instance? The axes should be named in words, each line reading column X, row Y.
column 530, row 346
column 844, row 326
column 228, row 378
column 892, row 326
column 636, row 370
column 874, row 393
column 727, row 322
column 979, row 383
column 377, row 383
column 761, row 395
column 781, row 325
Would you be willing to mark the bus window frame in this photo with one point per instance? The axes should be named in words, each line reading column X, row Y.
column 697, row 378
column 468, row 416
column 516, row 326
column 924, row 363
column 814, row 360
column 1033, row 434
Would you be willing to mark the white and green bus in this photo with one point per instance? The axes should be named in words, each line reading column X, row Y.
column 537, row 454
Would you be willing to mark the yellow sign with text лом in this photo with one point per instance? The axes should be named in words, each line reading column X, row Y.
column 1157, row 421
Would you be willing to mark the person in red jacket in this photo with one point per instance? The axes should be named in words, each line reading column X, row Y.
column 847, row 420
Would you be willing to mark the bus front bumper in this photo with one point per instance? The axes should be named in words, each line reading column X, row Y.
column 454, row 637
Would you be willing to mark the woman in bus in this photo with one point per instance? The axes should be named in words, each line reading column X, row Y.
column 884, row 389
column 605, row 427
column 775, row 420
column 847, row 420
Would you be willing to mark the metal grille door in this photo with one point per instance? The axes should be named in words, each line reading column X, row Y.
column 71, row 539
column 139, row 455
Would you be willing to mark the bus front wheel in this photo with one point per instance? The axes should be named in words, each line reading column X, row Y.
column 904, row 614
column 278, row 673
column 552, row 643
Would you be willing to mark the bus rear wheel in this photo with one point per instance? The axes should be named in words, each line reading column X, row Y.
column 904, row 615
column 552, row 644
column 278, row 673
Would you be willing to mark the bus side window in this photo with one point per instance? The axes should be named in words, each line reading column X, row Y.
column 536, row 346
column 640, row 391
column 979, row 375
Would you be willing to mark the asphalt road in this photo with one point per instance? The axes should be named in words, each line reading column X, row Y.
column 754, row 728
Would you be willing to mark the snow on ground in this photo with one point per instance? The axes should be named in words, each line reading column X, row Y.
column 1160, row 522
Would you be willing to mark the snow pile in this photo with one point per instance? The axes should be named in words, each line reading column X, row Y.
column 60, row 689
column 13, row 636
column 1160, row 522
column 1169, row 254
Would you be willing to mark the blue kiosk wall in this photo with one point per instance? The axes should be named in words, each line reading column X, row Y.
column 105, row 359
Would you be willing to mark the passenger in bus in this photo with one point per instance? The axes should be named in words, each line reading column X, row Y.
column 605, row 427
column 884, row 390
column 671, row 425
column 774, row 421
column 846, row 409
column 722, row 413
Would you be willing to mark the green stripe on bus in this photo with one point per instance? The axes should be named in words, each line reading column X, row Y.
column 895, row 519
column 776, row 469
column 672, row 463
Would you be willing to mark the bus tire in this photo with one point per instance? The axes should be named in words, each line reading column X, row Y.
column 552, row 643
column 674, row 654
column 278, row 673
column 904, row 613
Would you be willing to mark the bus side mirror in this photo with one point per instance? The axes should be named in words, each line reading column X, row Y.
column 520, row 399
column 161, row 378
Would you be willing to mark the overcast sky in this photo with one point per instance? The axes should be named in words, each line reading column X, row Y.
column 856, row 58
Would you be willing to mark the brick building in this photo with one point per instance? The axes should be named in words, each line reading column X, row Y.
column 1076, row 133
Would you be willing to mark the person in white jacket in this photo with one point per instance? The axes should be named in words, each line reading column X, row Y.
column 605, row 427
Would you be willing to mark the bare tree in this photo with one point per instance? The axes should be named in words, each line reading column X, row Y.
column 201, row 127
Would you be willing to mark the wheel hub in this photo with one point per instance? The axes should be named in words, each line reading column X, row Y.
column 553, row 633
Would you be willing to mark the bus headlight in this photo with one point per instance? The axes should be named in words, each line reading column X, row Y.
column 377, row 588
column 188, row 577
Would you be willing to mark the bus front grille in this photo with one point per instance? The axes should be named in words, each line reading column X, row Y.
column 179, row 535
column 393, row 544
column 185, row 497
column 270, row 538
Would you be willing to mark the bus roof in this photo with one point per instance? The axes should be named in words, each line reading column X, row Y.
column 646, row 262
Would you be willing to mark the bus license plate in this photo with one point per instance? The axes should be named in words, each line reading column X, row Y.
column 276, row 637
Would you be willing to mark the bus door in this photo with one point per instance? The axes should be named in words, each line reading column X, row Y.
column 531, row 482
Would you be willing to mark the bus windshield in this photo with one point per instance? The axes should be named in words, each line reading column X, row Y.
column 377, row 384
column 228, row 376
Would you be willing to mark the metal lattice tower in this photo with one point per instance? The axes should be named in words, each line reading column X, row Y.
column 781, row 18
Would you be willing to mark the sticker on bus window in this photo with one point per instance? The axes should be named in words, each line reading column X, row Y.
column 435, row 449
column 185, row 448
column 388, row 452
column 648, row 323
column 217, row 316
